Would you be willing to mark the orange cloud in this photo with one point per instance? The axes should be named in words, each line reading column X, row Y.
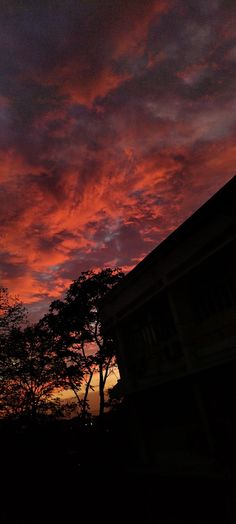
column 117, row 120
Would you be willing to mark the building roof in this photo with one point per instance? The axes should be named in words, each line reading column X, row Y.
column 222, row 203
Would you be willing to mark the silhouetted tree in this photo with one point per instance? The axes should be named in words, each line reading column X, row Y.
column 76, row 323
column 12, row 314
column 74, row 365
column 30, row 371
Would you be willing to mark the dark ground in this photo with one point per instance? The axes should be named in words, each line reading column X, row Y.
column 58, row 472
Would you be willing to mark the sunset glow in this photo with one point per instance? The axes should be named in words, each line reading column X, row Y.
column 118, row 120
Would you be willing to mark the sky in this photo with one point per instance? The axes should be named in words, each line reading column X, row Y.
column 117, row 121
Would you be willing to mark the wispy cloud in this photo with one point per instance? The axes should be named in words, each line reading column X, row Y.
column 117, row 120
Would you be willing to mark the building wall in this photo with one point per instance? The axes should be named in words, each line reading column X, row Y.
column 189, row 324
column 175, row 322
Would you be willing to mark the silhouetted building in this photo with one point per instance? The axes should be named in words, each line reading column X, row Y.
column 174, row 317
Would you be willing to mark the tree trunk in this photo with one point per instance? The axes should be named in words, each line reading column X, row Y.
column 101, row 392
column 84, row 406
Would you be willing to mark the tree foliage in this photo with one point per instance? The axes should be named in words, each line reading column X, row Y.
column 30, row 370
column 12, row 314
column 66, row 349
column 76, row 324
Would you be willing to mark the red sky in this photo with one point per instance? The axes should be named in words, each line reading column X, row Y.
column 117, row 120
